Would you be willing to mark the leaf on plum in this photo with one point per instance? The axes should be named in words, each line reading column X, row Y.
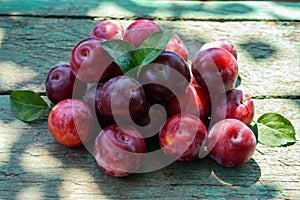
column 128, row 57
column 122, row 52
column 152, row 47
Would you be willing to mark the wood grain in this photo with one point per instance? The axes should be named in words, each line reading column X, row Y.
column 36, row 35
column 268, row 52
column 155, row 9
column 33, row 165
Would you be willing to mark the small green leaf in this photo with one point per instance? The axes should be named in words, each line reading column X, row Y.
column 254, row 130
column 27, row 105
column 152, row 47
column 275, row 130
column 122, row 52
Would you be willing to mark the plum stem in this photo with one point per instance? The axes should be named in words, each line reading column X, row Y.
column 246, row 99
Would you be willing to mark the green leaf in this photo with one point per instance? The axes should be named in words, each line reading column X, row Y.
column 27, row 105
column 275, row 130
column 128, row 57
column 254, row 130
column 122, row 52
column 152, row 47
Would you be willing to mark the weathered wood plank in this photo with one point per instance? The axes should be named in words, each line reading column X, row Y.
column 268, row 52
column 193, row 10
column 37, row 167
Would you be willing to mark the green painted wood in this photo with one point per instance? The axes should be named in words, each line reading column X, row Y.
column 34, row 166
column 268, row 52
column 193, row 10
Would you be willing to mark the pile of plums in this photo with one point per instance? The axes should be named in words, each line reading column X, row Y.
column 187, row 111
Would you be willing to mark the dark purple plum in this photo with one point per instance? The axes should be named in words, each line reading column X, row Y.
column 166, row 76
column 60, row 84
column 121, row 98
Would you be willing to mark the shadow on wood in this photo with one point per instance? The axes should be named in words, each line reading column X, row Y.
column 258, row 49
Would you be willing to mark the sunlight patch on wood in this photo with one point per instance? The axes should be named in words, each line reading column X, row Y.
column 33, row 192
column 12, row 75
column 109, row 9
column 7, row 141
column 39, row 160
column 80, row 184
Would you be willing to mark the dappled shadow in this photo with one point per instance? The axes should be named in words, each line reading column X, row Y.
column 28, row 50
column 288, row 4
column 232, row 8
column 36, row 159
column 199, row 179
column 140, row 9
column 172, row 9
column 258, row 49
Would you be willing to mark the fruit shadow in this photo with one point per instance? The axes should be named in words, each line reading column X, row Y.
column 198, row 179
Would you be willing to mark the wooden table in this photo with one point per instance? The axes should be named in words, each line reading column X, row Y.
column 36, row 35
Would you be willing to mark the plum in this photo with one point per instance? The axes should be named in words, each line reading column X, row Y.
column 177, row 46
column 182, row 136
column 194, row 100
column 238, row 105
column 121, row 98
column 215, row 69
column 71, row 122
column 221, row 43
column 90, row 62
column 231, row 143
column 107, row 30
column 60, row 84
column 139, row 30
column 166, row 76
column 119, row 150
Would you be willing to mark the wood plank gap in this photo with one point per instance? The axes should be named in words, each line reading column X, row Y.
column 96, row 18
column 276, row 97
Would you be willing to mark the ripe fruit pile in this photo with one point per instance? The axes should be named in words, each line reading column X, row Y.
column 203, row 109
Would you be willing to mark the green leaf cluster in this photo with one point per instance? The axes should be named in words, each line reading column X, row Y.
column 128, row 57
